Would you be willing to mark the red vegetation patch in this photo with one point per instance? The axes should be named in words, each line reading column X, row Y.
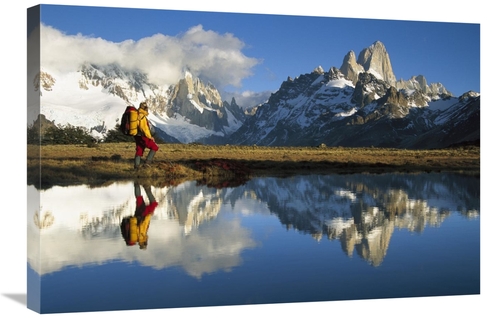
column 233, row 167
column 219, row 173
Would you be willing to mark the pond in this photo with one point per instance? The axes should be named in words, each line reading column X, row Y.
column 271, row 240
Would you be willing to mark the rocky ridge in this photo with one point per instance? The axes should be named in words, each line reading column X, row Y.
column 358, row 104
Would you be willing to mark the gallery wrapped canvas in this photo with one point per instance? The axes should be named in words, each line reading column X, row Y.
column 276, row 159
column 33, row 197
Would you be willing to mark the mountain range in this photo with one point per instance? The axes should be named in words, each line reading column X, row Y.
column 362, row 212
column 360, row 104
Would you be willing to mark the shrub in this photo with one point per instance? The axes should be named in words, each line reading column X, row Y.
column 33, row 134
column 116, row 135
column 66, row 135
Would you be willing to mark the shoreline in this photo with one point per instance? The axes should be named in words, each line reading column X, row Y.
column 232, row 165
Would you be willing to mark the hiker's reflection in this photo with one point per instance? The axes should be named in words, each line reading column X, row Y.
column 135, row 228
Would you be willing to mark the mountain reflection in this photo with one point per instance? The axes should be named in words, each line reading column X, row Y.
column 362, row 211
column 199, row 229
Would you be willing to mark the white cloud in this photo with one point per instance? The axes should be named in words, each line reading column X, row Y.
column 214, row 57
column 247, row 99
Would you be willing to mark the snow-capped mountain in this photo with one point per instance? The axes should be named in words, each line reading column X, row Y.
column 361, row 211
column 95, row 97
column 359, row 104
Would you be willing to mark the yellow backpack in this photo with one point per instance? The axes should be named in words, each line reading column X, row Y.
column 130, row 121
column 129, row 230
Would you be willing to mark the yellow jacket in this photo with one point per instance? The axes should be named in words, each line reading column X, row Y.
column 144, row 124
column 139, row 231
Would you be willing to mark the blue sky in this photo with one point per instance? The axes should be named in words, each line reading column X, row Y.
column 272, row 47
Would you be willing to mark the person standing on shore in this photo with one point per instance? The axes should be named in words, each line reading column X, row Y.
column 144, row 139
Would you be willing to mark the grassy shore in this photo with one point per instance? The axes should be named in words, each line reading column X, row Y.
column 231, row 165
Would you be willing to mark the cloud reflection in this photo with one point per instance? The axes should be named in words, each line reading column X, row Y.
column 85, row 230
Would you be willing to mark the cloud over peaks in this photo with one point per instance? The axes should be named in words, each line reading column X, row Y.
column 214, row 57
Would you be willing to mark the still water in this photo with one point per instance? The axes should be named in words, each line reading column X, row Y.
column 271, row 240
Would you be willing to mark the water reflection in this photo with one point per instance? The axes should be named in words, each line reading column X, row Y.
column 362, row 211
column 86, row 228
column 135, row 228
column 201, row 229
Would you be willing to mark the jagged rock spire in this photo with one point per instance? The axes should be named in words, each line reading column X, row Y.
column 350, row 68
column 373, row 59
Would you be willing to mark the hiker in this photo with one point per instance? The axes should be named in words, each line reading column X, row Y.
column 135, row 229
column 144, row 138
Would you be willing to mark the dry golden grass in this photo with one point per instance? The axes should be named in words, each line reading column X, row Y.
column 177, row 162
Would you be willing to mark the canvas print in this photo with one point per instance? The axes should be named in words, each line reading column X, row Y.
column 183, row 159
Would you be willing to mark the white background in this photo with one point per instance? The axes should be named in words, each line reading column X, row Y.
column 13, row 191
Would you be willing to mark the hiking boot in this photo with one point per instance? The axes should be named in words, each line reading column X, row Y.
column 150, row 156
column 137, row 162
